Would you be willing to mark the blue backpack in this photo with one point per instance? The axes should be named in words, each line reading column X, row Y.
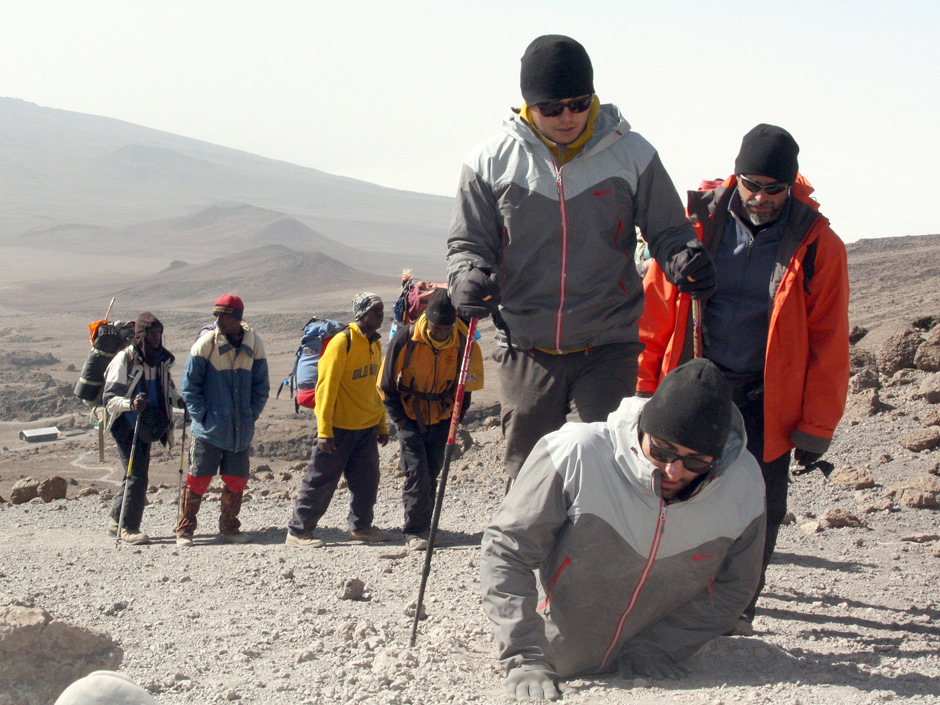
column 302, row 381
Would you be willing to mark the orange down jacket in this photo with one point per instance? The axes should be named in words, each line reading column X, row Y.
column 806, row 363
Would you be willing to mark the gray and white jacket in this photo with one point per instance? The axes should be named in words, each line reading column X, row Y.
column 562, row 238
column 619, row 568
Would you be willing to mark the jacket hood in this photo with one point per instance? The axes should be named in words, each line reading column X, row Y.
column 623, row 425
column 609, row 126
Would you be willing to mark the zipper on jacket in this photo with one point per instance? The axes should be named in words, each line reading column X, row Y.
column 650, row 560
column 563, row 274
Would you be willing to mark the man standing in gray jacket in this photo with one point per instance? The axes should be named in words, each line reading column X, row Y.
column 646, row 531
column 543, row 237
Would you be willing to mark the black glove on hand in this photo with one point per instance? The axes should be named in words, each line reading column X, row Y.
column 694, row 271
column 805, row 457
column 475, row 294
column 643, row 663
column 532, row 684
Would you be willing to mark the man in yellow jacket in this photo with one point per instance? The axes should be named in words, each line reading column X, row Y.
column 350, row 420
column 418, row 383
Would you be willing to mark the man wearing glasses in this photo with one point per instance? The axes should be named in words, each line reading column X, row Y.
column 778, row 325
column 543, row 237
column 646, row 531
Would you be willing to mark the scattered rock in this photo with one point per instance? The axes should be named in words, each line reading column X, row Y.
column 52, row 488
column 855, row 478
column 930, row 389
column 300, row 466
column 867, row 378
column 865, row 403
column 932, row 419
column 24, row 490
column 410, row 610
column 898, row 347
column 883, row 504
column 921, row 538
column 41, row 656
column 922, row 439
column 836, row 518
column 928, row 354
column 353, row 589
column 935, row 551
column 917, row 499
column 856, row 334
column 811, row 527
column 902, row 377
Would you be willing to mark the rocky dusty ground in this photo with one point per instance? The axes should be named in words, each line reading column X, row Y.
column 851, row 613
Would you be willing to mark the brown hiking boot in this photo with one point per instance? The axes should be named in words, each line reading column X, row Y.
column 369, row 535
column 229, row 525
column 189, row 508
column 304, row 540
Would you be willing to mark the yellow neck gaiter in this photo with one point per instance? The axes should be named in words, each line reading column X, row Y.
column 421, row 326
column 565, row 153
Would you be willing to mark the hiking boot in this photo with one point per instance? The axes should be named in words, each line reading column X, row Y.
column 742, row 627
column 186, row 540
column 112, row 526
column 369, row 535
column 415, row 542
column 135, row 537
column 231, row 504
column 304, row 540
column 189, row 508
column 235, row 537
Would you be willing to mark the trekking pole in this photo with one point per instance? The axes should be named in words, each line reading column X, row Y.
column 127, row 478
column 442, row 483
column 697, row 327
column 179, row 488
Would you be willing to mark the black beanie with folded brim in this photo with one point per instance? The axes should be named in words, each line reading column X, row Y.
column 771, row 151
column 691, row 408
column 555, row 67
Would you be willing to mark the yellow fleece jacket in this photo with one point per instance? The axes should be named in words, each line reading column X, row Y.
column 346, row 395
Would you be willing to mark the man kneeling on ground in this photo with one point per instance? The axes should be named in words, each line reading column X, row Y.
column 646, row 531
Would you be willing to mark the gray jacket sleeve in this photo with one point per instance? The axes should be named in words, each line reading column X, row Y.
column 475, row 230
column 713, row 611
column 520, row 537
column 660, row 215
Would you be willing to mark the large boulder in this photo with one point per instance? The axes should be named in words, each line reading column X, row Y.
column 928, row 354
column 894, row 344
column 40, row 655
column 52, row 488
column 930, row 388
column 24, row 490
column 865, row 403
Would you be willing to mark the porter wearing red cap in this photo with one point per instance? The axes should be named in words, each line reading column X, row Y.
column 229, row 303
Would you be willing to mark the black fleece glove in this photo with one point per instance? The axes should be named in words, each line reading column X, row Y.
column 475, row 294
column 805, row 457
column 693, row 271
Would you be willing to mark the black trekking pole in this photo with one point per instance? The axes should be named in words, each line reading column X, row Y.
column 442, row 482
column 179, row 488
column 127, row 475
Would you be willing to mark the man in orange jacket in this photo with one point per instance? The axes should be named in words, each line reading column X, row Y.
column 777, row 326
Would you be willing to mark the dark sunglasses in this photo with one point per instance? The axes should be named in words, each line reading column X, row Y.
column 557, row 107
column 664, row 455
column 771, row 189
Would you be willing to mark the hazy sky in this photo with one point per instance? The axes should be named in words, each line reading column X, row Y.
column 398, row 93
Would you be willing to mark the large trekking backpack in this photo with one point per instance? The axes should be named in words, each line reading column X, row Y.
column 302, row 381
column 414, row 297
column 108, row 339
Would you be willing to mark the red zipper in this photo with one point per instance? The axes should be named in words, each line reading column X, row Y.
column 650, row 559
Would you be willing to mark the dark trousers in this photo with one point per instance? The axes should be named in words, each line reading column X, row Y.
column 136, row 484
column 422, row 457
column 539, row 392
column 776, row 481
column 357, row 458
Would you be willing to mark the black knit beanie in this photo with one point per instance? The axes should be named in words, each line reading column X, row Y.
column 691, row 408
column 440, row 310
column 769, row 151
column 555, row 67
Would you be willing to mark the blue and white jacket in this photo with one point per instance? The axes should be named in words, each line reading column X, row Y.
column 225, row 388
